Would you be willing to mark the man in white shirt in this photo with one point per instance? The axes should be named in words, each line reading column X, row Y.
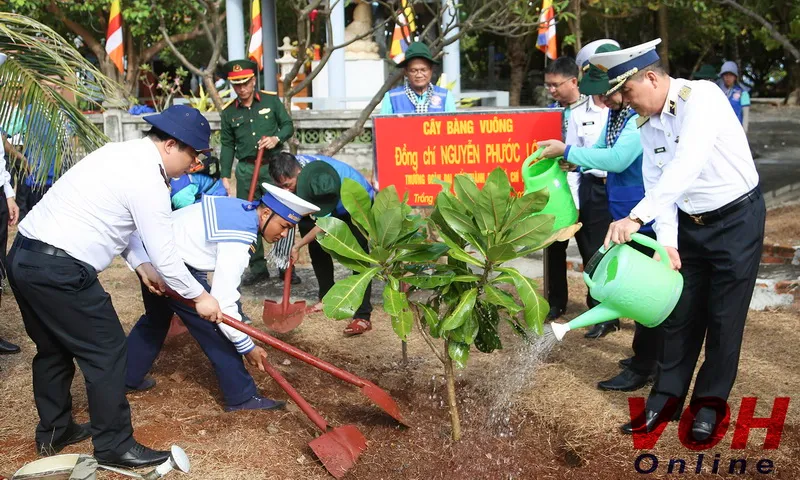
column 701, row 187
column 216, row 235
column 74, row 232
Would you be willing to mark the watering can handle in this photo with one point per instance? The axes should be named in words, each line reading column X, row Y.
column 649, row 242
column 586, row 278
column 533, row 156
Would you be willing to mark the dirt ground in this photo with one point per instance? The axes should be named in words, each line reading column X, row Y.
column 783, row 226
column 521, row 419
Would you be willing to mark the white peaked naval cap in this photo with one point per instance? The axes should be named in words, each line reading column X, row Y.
column 286, row 204
column 622, row 64
column 582, row 59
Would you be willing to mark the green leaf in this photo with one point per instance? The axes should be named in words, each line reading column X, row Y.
column 501, row 299
column 488, row 340
column 502, row 253
column 531, row 231
column 354, row 265
column 388, row 217
column 402, row 323
column 394, row 301
column 525, row 206
column 495, row 197
column 340, row 239
column 457, row 252
column 459, row 352
column 469, row 194
column 431, row 319
column 535, row 307
column 357, row 202
column 459, row 315
column 346, row 295
column 467, row 332
column 429, row 281
column 466, row 278
column 503, row 278
column 459, row 222
column 422, row 252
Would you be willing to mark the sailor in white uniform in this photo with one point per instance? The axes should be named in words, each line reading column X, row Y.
column 701, row 187
column 216, row 236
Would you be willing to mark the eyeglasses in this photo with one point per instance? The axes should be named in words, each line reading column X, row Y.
column 418, row 71
column 553, row 86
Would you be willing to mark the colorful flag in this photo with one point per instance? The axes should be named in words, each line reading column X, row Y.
column 403, row 29
column 546, row 41
column 114, row 36
column 255, row 50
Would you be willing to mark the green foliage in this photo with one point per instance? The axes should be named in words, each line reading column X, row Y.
column 457, row 277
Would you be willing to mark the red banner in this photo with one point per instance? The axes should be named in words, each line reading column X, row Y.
column 412, row 151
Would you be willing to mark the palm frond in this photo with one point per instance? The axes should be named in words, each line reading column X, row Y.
column 40, row 66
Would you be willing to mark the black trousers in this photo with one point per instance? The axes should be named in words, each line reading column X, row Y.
column 646, row 340
column 3, row 233
column 322, row 263
column 69, row 316
column 719, row 267
column 595, row 217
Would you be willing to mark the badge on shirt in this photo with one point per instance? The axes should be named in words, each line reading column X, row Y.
column 737, row 96
column 264, row 111
column 672, row 107
column 660, row 150
column 436, row 101
column 588, row 123
column 684, row 92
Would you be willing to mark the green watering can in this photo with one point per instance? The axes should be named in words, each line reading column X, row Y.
column 628, row 283
column 547, row 174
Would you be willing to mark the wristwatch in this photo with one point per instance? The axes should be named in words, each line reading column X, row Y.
column 636, row 219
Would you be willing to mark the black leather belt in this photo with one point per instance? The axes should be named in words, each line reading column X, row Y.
column 714, row 215
column 41, row 247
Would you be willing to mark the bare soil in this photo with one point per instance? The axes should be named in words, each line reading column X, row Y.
column 783, row 226
column 557, row 424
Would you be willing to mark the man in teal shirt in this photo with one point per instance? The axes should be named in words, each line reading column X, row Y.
column 619, row 152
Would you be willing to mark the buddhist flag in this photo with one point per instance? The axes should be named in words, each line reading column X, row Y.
column 546, row 41
column 255, row 50
column 403, row 29
column 114, row 36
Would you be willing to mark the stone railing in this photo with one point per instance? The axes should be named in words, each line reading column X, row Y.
column 313, row 130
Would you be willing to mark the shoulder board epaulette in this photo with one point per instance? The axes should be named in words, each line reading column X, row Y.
column 641, row 121
column 684, row 92
column 269, row 93
column 578, row 103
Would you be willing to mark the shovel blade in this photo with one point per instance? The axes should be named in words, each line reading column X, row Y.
column 278, row 320
column 382, row 399
column 339, row 448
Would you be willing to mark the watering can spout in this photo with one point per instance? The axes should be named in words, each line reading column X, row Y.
column 600, row 313
column 559, row 330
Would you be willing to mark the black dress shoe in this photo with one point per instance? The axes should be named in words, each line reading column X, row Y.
column 251, row 278
column 138, row 456
column 554, row 313
column 75, row 433
column 626, row 381
column 643, row 425
column 625, row 362
column 7, row 348
column 148, row 383
column 602, row 329
column 702, row 431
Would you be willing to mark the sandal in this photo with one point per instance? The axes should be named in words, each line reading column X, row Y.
column 316, row 308
column 357, row 327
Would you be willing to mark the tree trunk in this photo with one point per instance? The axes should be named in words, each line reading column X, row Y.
column 518, row 61
column 578, row 30
column 208, row 81
column 663, row 32
column 450, row 376
column 794, row 83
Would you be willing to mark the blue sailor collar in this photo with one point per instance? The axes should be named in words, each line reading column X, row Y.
column 229, row 219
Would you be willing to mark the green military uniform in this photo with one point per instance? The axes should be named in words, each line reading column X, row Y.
column 240, row 130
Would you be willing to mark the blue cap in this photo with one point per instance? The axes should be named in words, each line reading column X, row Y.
column 285, row 204
column 729, row 67
column 183, row 123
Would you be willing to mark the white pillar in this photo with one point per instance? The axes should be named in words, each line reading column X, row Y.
column 269, row 39
column 452, row 53
column 234, row 24
column 335, row 65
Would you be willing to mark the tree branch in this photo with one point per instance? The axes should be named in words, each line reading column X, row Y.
column 774, row 33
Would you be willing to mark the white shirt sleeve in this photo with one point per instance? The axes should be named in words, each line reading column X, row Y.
column 5, row 177
column 232, row 259
column 135, row 254
column 698, row 134
column 149, row 205
column 574, row 181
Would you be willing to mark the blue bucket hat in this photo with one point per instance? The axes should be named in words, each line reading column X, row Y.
column 183, row 123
